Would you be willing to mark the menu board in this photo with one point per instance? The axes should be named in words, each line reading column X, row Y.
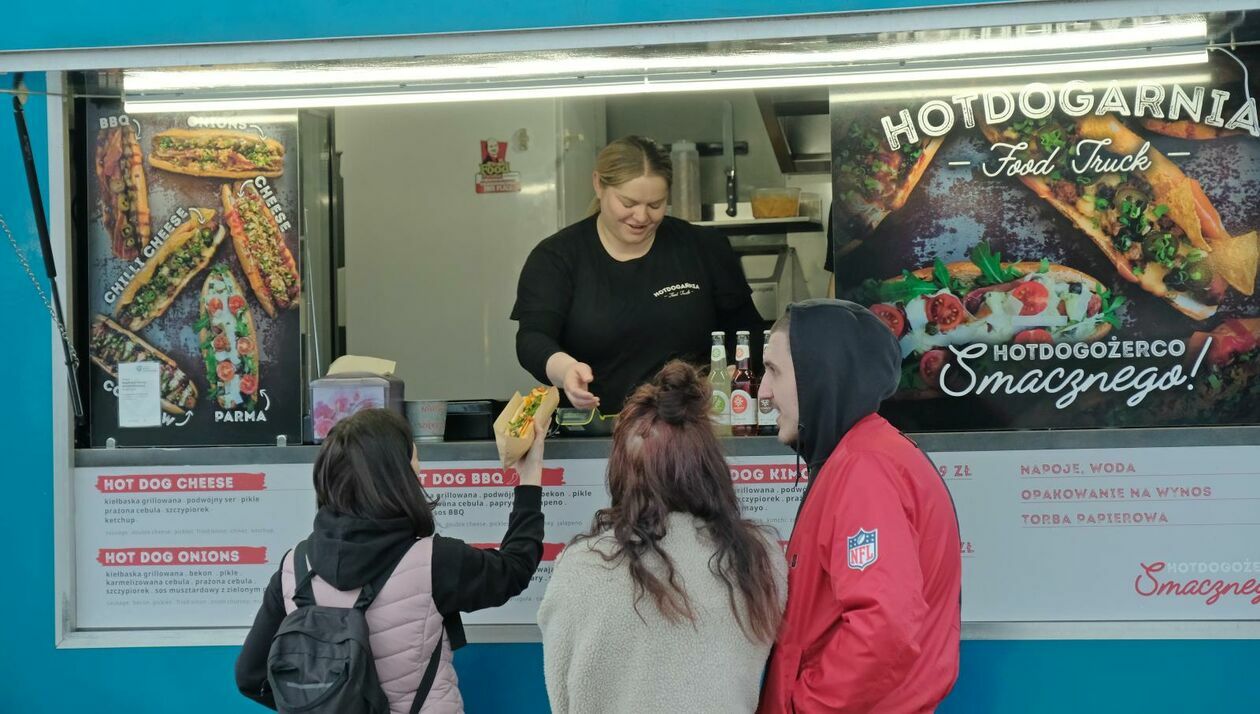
column 192, row 268
column 1066, row 535
column 1070, row 251
column 184, row 547
column 1108, row 534
column 475, row 501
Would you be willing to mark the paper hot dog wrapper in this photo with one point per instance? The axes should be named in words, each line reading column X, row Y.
column 512, row 448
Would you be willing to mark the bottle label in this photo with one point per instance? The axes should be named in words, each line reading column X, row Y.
column 742, row 408
column 741, row 353
column 718, row 354
column 721, row 408
column 767, row 415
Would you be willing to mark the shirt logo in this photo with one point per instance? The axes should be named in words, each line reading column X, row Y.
column 677, row 290
column 863, row 548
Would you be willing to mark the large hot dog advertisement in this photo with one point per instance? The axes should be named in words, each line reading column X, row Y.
column 1075, row 251
column 192, row 271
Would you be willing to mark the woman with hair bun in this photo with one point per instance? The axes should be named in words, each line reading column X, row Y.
column 670, row 602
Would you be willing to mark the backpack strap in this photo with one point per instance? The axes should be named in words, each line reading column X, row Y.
column 303, row 593
column 369, row 591
column 430, row 675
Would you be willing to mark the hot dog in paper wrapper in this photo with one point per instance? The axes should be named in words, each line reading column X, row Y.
column 514, row 429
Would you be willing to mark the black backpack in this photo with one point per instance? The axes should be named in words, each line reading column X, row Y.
column 321, row 659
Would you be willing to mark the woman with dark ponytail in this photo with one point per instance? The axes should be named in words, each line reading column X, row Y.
column 670, row 602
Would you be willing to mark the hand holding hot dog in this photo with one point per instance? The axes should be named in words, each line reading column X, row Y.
column 530, row 466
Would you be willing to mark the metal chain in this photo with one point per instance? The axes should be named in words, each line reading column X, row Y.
column 52, row 312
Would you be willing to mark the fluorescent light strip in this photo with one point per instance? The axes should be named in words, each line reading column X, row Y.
column 177, row 80
column 136, row 106
column 645, row 86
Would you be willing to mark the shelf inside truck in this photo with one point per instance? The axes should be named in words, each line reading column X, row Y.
column 766, row 226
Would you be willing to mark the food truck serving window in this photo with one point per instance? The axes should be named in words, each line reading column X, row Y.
column 1058, row 222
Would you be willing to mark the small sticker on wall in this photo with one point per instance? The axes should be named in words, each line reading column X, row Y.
column 495, row 174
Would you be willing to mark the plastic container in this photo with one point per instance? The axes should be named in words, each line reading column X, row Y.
column 428, row 419
column 684, row 195
column 776, row 202
column 337, row 396
column 811, row 207
column 584, row 422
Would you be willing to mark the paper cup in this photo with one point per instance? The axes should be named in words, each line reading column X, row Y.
column 428, row 419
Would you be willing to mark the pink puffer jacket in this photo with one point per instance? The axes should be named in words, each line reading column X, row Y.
column 405, row 627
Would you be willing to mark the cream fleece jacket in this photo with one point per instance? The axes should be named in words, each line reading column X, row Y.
column 600, row 657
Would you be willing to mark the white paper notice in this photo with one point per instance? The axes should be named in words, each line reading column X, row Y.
column 139, row 394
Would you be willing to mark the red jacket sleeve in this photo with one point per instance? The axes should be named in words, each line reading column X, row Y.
column 872, row 561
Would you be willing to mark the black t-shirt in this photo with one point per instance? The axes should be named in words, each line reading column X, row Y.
column 627, row 319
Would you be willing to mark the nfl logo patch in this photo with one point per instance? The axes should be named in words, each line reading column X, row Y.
column 863, row 548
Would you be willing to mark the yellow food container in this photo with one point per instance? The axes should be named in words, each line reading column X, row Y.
column 776, row 202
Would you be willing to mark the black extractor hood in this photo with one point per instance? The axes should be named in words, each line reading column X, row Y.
column 799, row 125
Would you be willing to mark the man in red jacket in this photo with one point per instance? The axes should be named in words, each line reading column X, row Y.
column 873, row 612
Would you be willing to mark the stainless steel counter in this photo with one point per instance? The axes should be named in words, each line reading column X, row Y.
column 557, row 448
column 596, row 448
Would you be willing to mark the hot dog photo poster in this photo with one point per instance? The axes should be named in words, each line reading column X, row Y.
column 192, row 265
column 1076, row 251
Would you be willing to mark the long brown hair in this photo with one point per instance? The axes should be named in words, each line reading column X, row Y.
column 363, row 469
column 628, row 158
column 666, row 459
